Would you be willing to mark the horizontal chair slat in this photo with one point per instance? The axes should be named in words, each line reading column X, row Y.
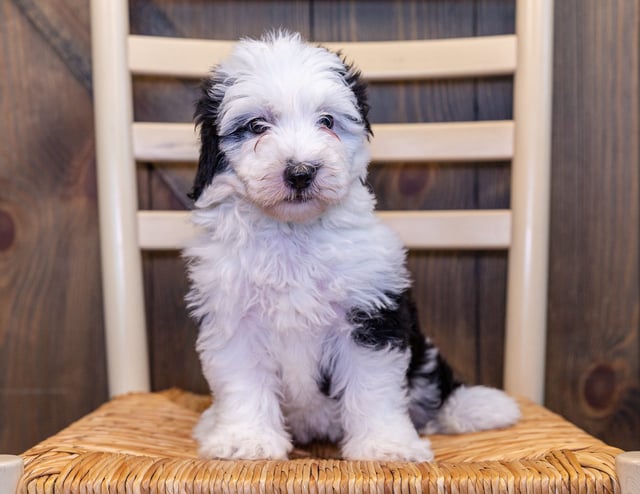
column 467, row 229
column 451, row 141
column 378, row 60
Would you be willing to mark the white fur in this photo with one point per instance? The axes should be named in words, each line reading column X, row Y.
column 474, row 408
column 291, row 85
column 376, row 422
column 273, row 278
column 269, row 315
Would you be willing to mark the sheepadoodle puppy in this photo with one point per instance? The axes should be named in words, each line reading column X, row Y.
column 307, row 328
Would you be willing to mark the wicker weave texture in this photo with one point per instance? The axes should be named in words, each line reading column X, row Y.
column 142, row 443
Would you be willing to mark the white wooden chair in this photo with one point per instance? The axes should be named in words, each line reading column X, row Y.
column 525, row 140
column 522, row 230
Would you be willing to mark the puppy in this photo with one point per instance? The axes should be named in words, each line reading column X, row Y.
column 307, row 328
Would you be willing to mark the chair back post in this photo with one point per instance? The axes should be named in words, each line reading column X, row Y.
column 525, row 347
column 127, row 357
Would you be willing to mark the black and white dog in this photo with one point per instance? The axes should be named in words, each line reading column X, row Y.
column 307, row 329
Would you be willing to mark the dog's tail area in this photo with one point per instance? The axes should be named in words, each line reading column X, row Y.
column 474, row 408
column 441, row 405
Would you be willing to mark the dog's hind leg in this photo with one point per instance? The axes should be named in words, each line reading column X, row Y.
column 370, row 386
column 440, row 404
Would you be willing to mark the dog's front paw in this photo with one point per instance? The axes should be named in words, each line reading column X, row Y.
column 241, row 444
column 416, row 450
column 238, row 441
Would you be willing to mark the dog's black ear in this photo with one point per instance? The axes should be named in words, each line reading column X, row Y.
column 354, row 81
column 211, row 160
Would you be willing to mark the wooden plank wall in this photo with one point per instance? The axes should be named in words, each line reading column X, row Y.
column 51, row 350
column 51, row 336
column 594, row 346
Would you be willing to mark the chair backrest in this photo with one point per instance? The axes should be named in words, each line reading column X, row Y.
column 525, row 140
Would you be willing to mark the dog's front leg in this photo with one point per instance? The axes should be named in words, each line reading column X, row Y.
column 375, row 405
column 245, row 420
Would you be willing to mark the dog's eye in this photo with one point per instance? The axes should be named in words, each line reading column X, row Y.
column 326, row 121
column 257, row 126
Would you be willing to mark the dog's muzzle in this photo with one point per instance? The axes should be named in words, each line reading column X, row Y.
column 299, row 176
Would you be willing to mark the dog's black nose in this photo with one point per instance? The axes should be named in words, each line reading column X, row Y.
column 300, row 175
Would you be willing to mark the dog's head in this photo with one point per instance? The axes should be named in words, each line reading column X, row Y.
column 289, row 120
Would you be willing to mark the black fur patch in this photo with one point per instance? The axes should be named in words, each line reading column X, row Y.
column 353, row 78
column 388, row 327
column 442, row 374
column 211, row 160
column 324, row 382
column 398, row 327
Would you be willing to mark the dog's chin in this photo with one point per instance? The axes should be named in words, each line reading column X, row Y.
column 297, row 209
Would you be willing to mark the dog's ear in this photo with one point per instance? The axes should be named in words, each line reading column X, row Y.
column 211, row 160
column 353, row 79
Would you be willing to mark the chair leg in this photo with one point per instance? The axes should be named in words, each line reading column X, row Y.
column 628, row 469
column 11, row 469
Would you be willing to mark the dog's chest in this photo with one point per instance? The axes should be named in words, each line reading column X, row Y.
column 299, row 281
column 304, row 365
column 308, row 283
column 299, row 288
column 299, row 357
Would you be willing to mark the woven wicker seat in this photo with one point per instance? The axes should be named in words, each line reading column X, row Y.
column 142, row 443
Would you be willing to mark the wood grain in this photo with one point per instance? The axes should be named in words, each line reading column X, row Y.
column 593, row 375
column 51, row 340
column 65, row 27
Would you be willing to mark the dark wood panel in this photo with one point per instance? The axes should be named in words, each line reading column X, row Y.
column 593, row 365
column 65, row 28
column 51, row 340
column 220, row 19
